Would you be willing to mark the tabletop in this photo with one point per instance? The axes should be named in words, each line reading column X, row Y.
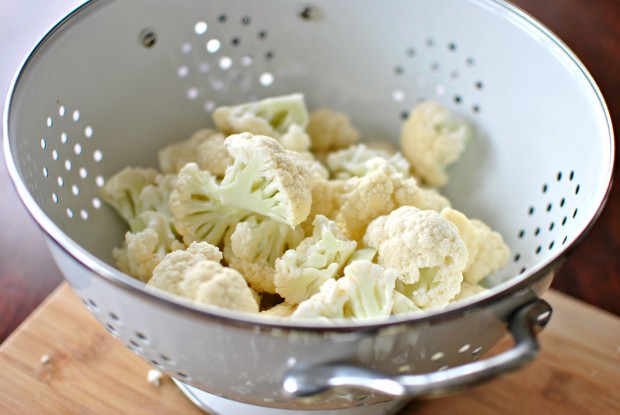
column 592, row 272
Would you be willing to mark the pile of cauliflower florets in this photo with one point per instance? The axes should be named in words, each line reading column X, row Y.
column 287, row 214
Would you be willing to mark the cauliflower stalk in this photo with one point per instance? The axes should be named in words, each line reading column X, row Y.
column 425, row 249
column 432, row 139
column 302, row 271
column 284, row 118
column 264, row 179
column 353, row 161
column 254, row 246
column 364, row 292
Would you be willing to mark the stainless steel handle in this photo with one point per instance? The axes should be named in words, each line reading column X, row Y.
column 523, row 326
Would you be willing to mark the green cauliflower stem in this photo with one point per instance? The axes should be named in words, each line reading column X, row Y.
column 364, row 292
column 300, row 272
column 266, row 179
column 254, row 246
column 197, row 210
column 284, row 118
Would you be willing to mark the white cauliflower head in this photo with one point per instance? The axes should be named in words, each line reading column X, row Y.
column 364, row 292
column 331, row 130
column 300, row 272
column 284, row 118
column 206, row 282
column 123, row 190
column 172, row 266
column 353, row 161
column 487, row 251
column 266, row 179
column 431, row 139
column 380, row 191
column 254, row 246
column 197, row 210
column 424, row 248
column 173, row 157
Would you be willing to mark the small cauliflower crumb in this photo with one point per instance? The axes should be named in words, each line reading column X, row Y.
column 45, row 359
column 154, row 377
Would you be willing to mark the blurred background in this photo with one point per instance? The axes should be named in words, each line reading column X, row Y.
column 592, row 272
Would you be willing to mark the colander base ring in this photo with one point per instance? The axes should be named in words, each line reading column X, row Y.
column 216, row 405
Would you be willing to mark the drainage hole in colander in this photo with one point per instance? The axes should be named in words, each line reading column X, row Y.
column 88, row 131
column 62, row 111
column 50, row 122
column 55, row 198
column 46, row 172
column 142, row 337
column 91, row 305
column 111, row 329
column 437, row 356
column 464, row 348
column 96, row 203
column 99, row 181
column 476, row 352
column 43, row 144
column 182, row 375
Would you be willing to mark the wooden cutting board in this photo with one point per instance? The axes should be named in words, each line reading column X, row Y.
column 89, row 372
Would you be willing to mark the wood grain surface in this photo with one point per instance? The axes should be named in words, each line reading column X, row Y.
column 90, row 372
column 589, row 27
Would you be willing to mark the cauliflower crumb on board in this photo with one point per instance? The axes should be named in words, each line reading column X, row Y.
column 45, row 359
column 154, row 377
column 290, row 215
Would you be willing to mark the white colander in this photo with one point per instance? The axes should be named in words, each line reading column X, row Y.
column 117, row 80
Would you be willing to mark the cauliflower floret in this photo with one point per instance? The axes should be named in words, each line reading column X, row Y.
column 212, row 155
column 282, row 310
column 432, row 140
column 377, row 193
column 266, row 179
column 486, row 248
column 156, row 197
column 197, row 210
column 353, row 161
column 364, row 292
column 205, row 281
column 173, row 157
column 300, row 272
column 284, row 118
column 404, row 304
column 425, row 249
column 174, row 264
column 122, row 191
column 330, row 130
column 254, row 246
column 150, row 239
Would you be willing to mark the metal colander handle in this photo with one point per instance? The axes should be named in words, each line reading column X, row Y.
column 524, row 325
